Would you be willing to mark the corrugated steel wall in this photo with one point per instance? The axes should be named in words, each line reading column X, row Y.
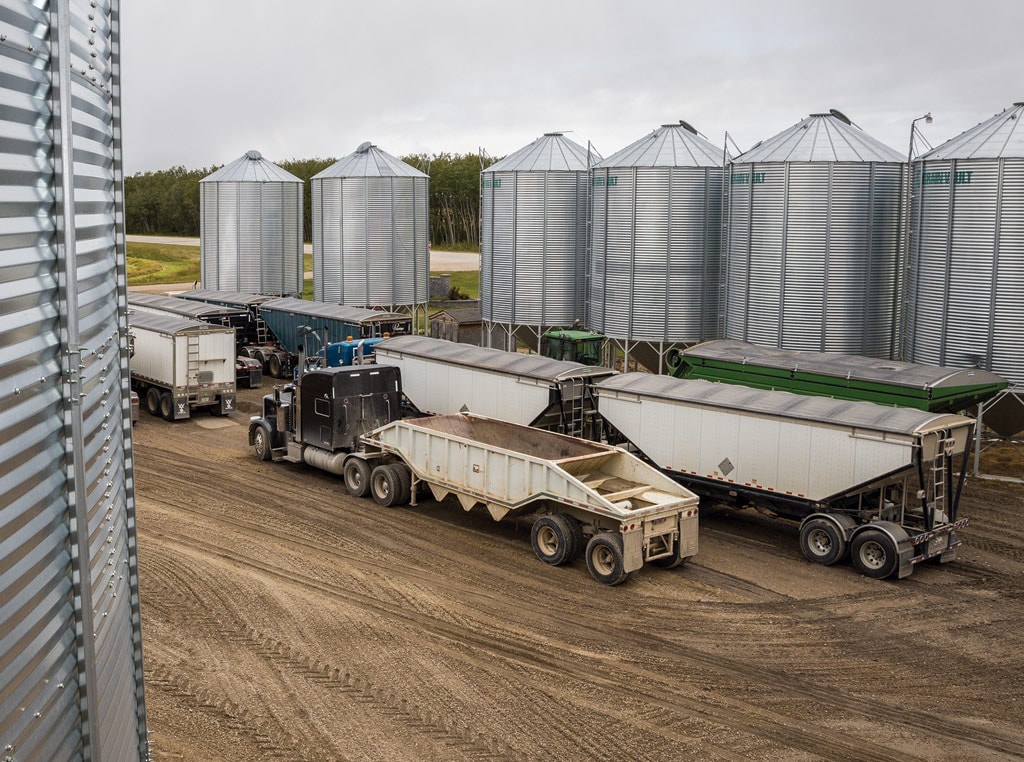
column 252, row 237
column 966, row 274
column 70, row 643
column 370, row 241
column 533, row 247
column 813, row 256
column 656, row 253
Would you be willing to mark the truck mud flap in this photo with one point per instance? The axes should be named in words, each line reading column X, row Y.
column 180, row 409
column 227, row 404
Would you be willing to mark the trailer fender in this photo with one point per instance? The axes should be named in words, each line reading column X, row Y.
column 825, row 537
column 900, row 538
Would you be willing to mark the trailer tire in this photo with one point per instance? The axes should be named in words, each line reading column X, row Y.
column 873, row 553
column 673, row 561
column 386, row 486
column 553, row 540
column 274, row 366
column 579, row 542
column 261, row 443
column 167, row 406
column 357, row 477
column 405, row 482
column 153, row 401
column 605, row 558
column 822, row 542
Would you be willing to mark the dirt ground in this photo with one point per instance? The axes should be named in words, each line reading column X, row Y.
column 283, row 619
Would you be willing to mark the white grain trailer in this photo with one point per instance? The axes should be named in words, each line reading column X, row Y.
column 180, row 365
column 631, row 512
column 881, row 482
column 447, row 377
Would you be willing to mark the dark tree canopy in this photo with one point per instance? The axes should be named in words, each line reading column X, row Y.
column 167, row 202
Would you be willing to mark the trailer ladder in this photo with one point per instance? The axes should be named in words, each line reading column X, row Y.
column 574, row 424
column 261, row 331
column 193, row 360
column 940, row 467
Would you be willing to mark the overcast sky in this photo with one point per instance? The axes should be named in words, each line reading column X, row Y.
column 206, row 80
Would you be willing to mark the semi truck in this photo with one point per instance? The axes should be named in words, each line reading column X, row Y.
column 446, row 377
column 881, row 484
column 181, row 365
column 588, row 498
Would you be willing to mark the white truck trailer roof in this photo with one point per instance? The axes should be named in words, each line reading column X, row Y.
column 863, row 415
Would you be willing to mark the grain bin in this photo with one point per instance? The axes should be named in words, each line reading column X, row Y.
column 656, row 244
column 370, row 232
column 251, row 228
column 966, row 256
column 533, row 240
column 813, row 241
column 71, row 665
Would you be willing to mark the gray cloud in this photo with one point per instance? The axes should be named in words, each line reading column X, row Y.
column 205, row 80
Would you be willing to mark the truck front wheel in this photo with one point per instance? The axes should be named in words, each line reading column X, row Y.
column 821, row 542
column 357, row 477
column 386, row 486
column 874, row 554
column 605, row 558
column 261, row 443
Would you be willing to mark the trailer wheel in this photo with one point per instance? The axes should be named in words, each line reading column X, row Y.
column 821, row 542
column 673, row 561
column 153, row 401
column 167, row 406
column 357, row 477
column 274, row 366
column 405, row 482
column 605, row 558
column 553, row 540
column 578, row 541
column 261, row 443
column 386, row 486
column 874, row 554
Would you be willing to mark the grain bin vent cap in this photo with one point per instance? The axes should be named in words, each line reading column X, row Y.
column 251, row 167
column 821, row 137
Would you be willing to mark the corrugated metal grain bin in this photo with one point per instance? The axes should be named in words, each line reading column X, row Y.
column 966, row 258
column 70, row 642
column 533, row 238
column 656, row 244
column 813, row 241
column 251, row 228
column 370, row 232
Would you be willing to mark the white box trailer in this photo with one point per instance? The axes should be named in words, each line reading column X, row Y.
column 446, row 377
column 879, row 481
column 631, row 512
column 180, row 364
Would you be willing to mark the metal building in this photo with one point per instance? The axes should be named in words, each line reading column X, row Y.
column 533, row 240
column 656, row 244
column 370, row 233
column 813, row 241
column 70, row 643
column 966, row 256
column 251, row 228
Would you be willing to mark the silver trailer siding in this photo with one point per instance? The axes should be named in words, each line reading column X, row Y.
column 859, row 465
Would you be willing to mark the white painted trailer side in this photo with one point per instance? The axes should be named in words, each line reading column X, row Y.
column 682, row 426
column 164, row 357
column 439, row 387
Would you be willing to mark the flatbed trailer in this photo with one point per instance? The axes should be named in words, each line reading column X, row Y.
column 831, row 374
column 882, row 483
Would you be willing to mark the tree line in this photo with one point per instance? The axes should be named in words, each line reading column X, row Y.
column 166, row 202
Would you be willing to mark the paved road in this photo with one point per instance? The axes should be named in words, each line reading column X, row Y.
column 440, row 261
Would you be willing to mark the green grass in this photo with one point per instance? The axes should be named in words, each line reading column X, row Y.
column 161, row 263
column 154, row 263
